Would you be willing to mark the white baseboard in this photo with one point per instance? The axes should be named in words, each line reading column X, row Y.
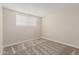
column 74, row 46
column 43, row 38
column 20, row 42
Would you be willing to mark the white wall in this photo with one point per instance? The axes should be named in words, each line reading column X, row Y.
column 60, row 22
column 1, row 29
column 62, row 25
column 14, row 34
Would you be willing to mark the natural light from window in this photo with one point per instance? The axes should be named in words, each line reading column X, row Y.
column 24, row 20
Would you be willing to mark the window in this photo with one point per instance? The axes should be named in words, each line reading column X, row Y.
column 24, row 20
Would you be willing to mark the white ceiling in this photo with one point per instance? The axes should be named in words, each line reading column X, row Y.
column 38, row 9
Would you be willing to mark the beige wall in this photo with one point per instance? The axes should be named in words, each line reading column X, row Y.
column 14, row 34
column 1, row 29
column 62, row 25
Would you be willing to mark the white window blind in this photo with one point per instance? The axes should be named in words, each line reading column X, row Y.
column 24, row 20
